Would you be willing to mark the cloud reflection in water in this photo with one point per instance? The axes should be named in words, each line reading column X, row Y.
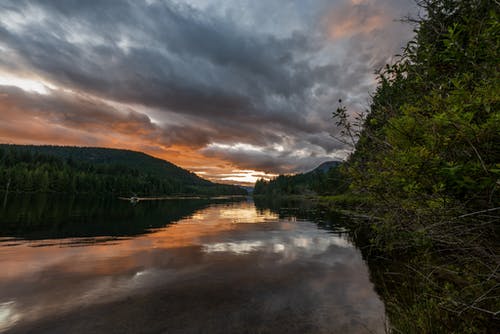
column 226, row 268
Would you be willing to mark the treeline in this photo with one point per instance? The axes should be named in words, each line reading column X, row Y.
column 317, row 182
column 428, row 158
column 431, row 139
column 23, row 170
column 96, row 156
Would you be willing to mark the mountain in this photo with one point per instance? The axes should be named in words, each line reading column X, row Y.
column 326, row 179
column 100, row 169
column 326, row 166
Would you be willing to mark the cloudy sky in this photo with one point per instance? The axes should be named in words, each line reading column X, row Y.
column 230, row 89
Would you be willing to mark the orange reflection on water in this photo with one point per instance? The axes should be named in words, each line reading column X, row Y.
column 32, row 257
column 229, row 252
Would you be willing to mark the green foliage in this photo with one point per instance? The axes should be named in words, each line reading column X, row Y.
column 433, row 130
column 429, row 157
column 97, row 170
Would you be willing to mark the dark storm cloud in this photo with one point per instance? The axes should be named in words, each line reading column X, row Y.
column 276, row 162
column 72, row 112
column 92, row 115
column 248, row 72
column 187, row 63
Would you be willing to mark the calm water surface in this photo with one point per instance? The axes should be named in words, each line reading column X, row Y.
column 177, row 267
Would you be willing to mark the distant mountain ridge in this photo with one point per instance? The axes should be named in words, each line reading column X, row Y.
column 326, row 166
column 326, row 179
column 132, row 163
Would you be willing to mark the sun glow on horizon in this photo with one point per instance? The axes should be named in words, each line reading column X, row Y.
column 243, row 177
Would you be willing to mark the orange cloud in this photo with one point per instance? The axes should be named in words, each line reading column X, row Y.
column 355, row 17
column 25, row 121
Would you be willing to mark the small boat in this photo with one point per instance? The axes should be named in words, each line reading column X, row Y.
column 133, row 199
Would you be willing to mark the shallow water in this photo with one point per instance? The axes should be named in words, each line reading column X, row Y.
column 179, row 267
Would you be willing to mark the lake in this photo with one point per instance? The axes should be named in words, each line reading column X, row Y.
column 76, row 265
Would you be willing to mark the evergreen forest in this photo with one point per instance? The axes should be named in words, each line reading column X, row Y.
column 99, row 171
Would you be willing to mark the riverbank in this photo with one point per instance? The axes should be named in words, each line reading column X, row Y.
column 437, row 276
column 442, row 278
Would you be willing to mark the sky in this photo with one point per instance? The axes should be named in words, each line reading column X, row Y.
column 232, row 90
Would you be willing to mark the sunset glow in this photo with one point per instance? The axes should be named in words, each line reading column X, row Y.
column 219, row 87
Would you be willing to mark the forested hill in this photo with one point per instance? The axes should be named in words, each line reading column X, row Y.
column 100, row 170
column 144, row 163
column 326, row 179
column 326, row 166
